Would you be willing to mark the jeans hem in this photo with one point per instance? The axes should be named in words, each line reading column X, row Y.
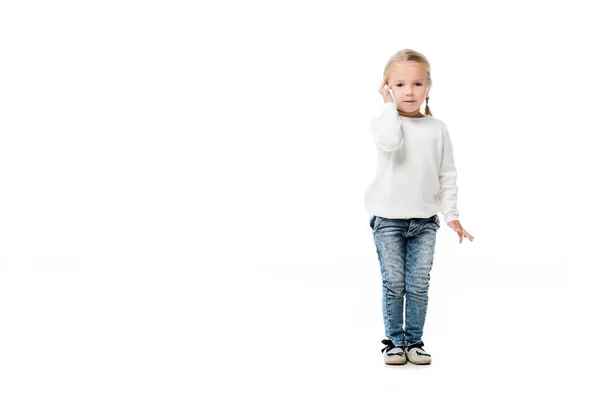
column 413, row 343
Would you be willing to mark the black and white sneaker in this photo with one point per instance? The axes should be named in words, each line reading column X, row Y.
column 392, row 354
column 417, row 355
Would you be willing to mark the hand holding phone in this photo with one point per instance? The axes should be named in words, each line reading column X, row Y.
column 387, row 93
column 393, row 97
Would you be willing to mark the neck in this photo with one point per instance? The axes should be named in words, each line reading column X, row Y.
column 416, row 114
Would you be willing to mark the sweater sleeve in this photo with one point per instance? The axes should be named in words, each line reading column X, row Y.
column 386, row 129
column 448, row 193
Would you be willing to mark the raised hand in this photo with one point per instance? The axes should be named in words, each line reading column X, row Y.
column 384, row 89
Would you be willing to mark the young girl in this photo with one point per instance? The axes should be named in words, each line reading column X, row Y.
column 415, row 179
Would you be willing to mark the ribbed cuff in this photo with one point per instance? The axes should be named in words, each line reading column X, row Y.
column 450, row 217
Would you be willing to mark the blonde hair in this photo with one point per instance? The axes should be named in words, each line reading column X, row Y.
column 410, row 56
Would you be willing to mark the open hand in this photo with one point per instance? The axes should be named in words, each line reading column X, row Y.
column 455, row 224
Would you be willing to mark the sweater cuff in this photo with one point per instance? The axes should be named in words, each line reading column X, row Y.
column 389, row 109
column 450, row 217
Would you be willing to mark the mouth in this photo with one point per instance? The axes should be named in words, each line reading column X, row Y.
column 410, row 101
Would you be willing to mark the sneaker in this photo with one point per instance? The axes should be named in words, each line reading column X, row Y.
column 393, row 354
column 417, row 355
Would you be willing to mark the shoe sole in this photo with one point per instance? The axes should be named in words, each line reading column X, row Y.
column 402, row 361
column 395, row 362
column 420, row 362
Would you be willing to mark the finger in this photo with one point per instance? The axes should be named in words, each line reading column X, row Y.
column 468, row 235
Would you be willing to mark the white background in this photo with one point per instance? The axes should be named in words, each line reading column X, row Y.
column 181, row 199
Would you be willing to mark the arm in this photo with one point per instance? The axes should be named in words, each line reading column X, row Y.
column 386, row 129
column 448, row 193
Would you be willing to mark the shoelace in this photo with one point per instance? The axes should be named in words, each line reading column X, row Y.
column 389, row 346
column 418, row 345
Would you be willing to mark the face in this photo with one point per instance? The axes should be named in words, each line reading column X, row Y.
column 409, row 84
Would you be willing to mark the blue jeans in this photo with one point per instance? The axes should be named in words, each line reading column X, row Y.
column 405, row 249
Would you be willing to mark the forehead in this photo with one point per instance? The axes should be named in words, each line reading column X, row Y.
column 407, row 71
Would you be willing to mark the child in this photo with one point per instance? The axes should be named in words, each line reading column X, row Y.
column 415, row 179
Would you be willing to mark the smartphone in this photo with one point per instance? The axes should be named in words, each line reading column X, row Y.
column 393, row 97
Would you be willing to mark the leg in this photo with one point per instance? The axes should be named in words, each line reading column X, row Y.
column 390, row 242
column 420, row 249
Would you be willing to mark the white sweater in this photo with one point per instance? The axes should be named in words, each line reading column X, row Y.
column 415, row 175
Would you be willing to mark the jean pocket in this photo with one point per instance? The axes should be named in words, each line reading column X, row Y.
column 436, row 219
column 375, row 222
